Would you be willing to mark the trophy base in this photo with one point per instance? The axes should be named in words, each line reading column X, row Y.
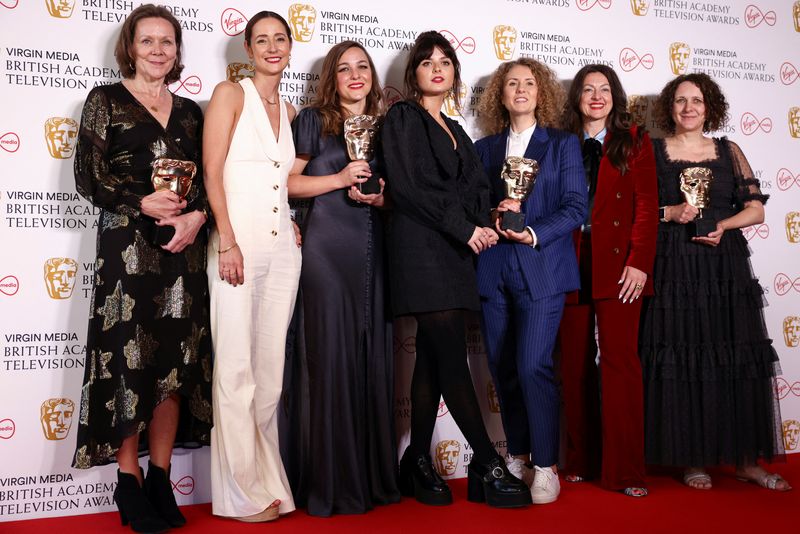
column 513, row 221
column 161, row 235
column 371, row 187
column 701, row 227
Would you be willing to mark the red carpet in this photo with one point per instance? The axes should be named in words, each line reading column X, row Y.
column 731, row 507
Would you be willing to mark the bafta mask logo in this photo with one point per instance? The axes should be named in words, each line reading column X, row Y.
column 793, row 226
column 236, row 72
column 60, row 133
column 450, row 107
column 447, row 452
column 59, row 277
column 505, row 41
column 796, row 15
column 794, row 122
column 491, row 396
column 302, row 19
column 56, row 418
column 679, row 57
column 60, row 9
column 640, row 7
column 637, row 107
column 791, row 434
column 791, row 331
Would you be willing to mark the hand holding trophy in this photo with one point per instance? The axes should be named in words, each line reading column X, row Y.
column 695, row 185
column 519, row 174
column 359, row 136
column 171, row 175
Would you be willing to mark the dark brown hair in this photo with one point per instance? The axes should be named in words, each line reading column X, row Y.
column 618, row 123
column 248, row 29
column 550, row 97
column 423, row 49
column 123, row 51
column 715, row 102
column 330, row 109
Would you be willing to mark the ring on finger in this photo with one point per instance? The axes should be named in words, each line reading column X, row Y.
column 638, row 287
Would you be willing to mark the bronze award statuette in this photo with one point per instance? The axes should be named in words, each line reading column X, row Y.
column 359, row 136
column 519, row 174
column 174, row 175
column 695, row 185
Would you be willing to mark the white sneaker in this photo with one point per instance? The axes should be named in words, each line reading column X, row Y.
column 546, row 485
column 518, row 468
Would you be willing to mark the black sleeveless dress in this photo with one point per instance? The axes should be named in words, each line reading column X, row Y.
column 709, row 365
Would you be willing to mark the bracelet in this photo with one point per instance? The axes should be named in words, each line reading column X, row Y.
column 224, row 250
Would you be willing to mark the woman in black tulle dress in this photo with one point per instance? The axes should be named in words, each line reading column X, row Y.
column 339, row 447
column 709, row 365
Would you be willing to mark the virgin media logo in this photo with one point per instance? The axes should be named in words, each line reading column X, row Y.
column 408, row 345
column 788, row 73
column 783, row 284
column 786, row 179
column 760, row 230
column 629, row 60
column 232, row 21
column 753, row 16
column 9, row 4
column 783, row 388
column 185, row 486
column 9, row 142
column 9, row 285
column 586, row 5
column 467, row 44
column 192, row 85
column 392, row 95
column 7, row 428
column 442, row 409
column 751, row 124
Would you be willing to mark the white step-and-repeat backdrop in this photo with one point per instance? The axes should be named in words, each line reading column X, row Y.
column 52, row 52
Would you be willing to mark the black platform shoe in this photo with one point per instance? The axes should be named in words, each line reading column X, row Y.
column 495, row 485
column 420, row 480
column 158, row 489
column 134, row 508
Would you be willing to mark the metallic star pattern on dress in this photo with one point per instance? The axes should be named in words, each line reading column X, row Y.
column 140, row 257
column 140, row 350
column 86, row 391
column 174, row 301
column 118, row 307
column 199, row 406
column 191, row 344
column 167, row 386
column 123, row 405
column 95, row 117
column 195, row 259
column 111, row 221
column 98, row 365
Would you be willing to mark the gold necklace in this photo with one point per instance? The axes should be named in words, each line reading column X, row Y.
column 265, row 99
column 153, row 106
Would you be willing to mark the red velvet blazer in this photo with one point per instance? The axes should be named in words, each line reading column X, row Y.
column 624, row 222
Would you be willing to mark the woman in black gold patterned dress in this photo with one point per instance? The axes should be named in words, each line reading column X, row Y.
column 148, row 369
column 709, row 365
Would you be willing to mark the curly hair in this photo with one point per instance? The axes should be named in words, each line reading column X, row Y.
column 421, row 50
column 123, row 50
column 549, row 101
column 330, row 109
column 715, row 102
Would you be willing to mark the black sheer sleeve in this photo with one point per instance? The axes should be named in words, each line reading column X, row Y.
column 747, row 186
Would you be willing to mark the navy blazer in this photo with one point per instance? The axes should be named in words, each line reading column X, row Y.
column 556, row 207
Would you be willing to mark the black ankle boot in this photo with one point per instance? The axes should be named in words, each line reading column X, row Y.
column 419, row 479
column 158, row 489
column 134, row 508
column 494, row 484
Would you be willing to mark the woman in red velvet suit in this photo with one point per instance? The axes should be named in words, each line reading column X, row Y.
column 616, row 250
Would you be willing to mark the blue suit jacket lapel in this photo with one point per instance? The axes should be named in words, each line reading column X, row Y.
column 537, row 147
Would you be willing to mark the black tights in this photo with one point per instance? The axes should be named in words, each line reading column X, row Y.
column 441, row 370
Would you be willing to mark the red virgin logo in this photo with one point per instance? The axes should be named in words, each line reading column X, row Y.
column 786, row 179
column 586, row 5
column 9, row 285
column 629, row 60
column 760, row 230
column 9, row 142
column 185, row 486
column 7, row 428
column 788, row 73
column 753, row 16
column 408, row 345
column 751, row 124
column 467, row 44
column 442, row 409
column 783, row 388
column 232, row 21
column 784, row 284
column 9, row 4
column 192, row 85
column 392, row 95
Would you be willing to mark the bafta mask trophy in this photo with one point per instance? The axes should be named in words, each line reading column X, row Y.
column 359, row 136
column 519, row 174
column 171, row 175
column 695, row 183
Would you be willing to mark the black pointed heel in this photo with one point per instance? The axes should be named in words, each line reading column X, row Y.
column 494, row 484
column 134, row 508
column 158, row 489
